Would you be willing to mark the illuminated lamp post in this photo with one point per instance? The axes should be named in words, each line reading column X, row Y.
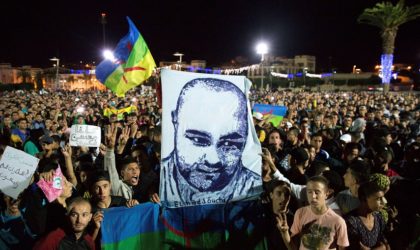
column 262, row 49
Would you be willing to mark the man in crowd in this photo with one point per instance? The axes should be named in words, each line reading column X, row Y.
column 79, row 214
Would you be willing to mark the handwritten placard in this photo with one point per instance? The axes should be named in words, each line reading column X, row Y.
column 16, row 170
column 85, row 135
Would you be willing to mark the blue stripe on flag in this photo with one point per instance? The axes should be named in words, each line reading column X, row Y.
column 270, row 109
column 121, row 223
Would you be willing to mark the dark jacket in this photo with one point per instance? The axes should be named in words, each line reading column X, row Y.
column 62, row 240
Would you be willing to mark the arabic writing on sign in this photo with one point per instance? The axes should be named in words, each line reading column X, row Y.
column 16, row 170
column 4, row 177
column 83, row 138
column 85, row 135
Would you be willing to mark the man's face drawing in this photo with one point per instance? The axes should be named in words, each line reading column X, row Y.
column 211, row 131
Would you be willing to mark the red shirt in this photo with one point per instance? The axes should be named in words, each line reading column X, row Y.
column 58, row 239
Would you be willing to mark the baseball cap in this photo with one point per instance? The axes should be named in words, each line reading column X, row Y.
column 346, row 138
column 46, row 139
column 258, row 116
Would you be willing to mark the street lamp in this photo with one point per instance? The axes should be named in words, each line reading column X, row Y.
column 262, row 49
column 305, row 70
column 58, row 65
column 103, row 22
column 180, row 58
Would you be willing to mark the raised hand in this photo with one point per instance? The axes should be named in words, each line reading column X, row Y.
column 131, row 203
column 67, row 151
column 122, row 140
column 133, row 130
column 282, row 225
column 155, row 198
column 47, row 176
column 98, row 218
column 102, row 149
column 110, row 135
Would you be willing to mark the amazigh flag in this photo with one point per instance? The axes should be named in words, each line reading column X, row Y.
column 148, row 226
column 271, row 113
column 129, row 66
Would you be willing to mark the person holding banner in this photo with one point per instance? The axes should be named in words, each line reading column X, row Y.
column 205, row 166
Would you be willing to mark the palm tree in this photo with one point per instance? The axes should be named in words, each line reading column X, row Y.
column 388, row 17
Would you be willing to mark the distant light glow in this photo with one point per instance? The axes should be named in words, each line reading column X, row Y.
column 386, row 62
column 262, row 48
column 313, row 75
column 108, row 55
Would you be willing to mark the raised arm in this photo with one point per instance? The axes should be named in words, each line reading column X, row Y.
column 109, row 159
column 297, row 190
column 67, row 152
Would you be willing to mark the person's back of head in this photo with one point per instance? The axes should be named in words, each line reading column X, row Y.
column 360, row 171
column 318, row 167
column 299, row 156
column 381, row 161
column 335, row 181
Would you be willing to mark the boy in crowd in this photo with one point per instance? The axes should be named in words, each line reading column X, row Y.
column 315, row 226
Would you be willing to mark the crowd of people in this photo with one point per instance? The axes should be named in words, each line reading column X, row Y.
column 341, row 170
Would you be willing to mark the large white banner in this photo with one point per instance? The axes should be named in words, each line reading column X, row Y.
column 210, row 151
column 16, row 170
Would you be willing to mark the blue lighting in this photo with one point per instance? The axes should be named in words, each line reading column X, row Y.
column 79, row 71
column 299, row 74
column 386, row 62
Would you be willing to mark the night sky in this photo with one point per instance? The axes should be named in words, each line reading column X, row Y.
column 212, row 30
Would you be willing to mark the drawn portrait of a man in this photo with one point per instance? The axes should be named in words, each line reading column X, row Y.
column 210, row 133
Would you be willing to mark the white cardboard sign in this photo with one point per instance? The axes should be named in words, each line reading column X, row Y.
column 16, row 170
column 85, row 135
